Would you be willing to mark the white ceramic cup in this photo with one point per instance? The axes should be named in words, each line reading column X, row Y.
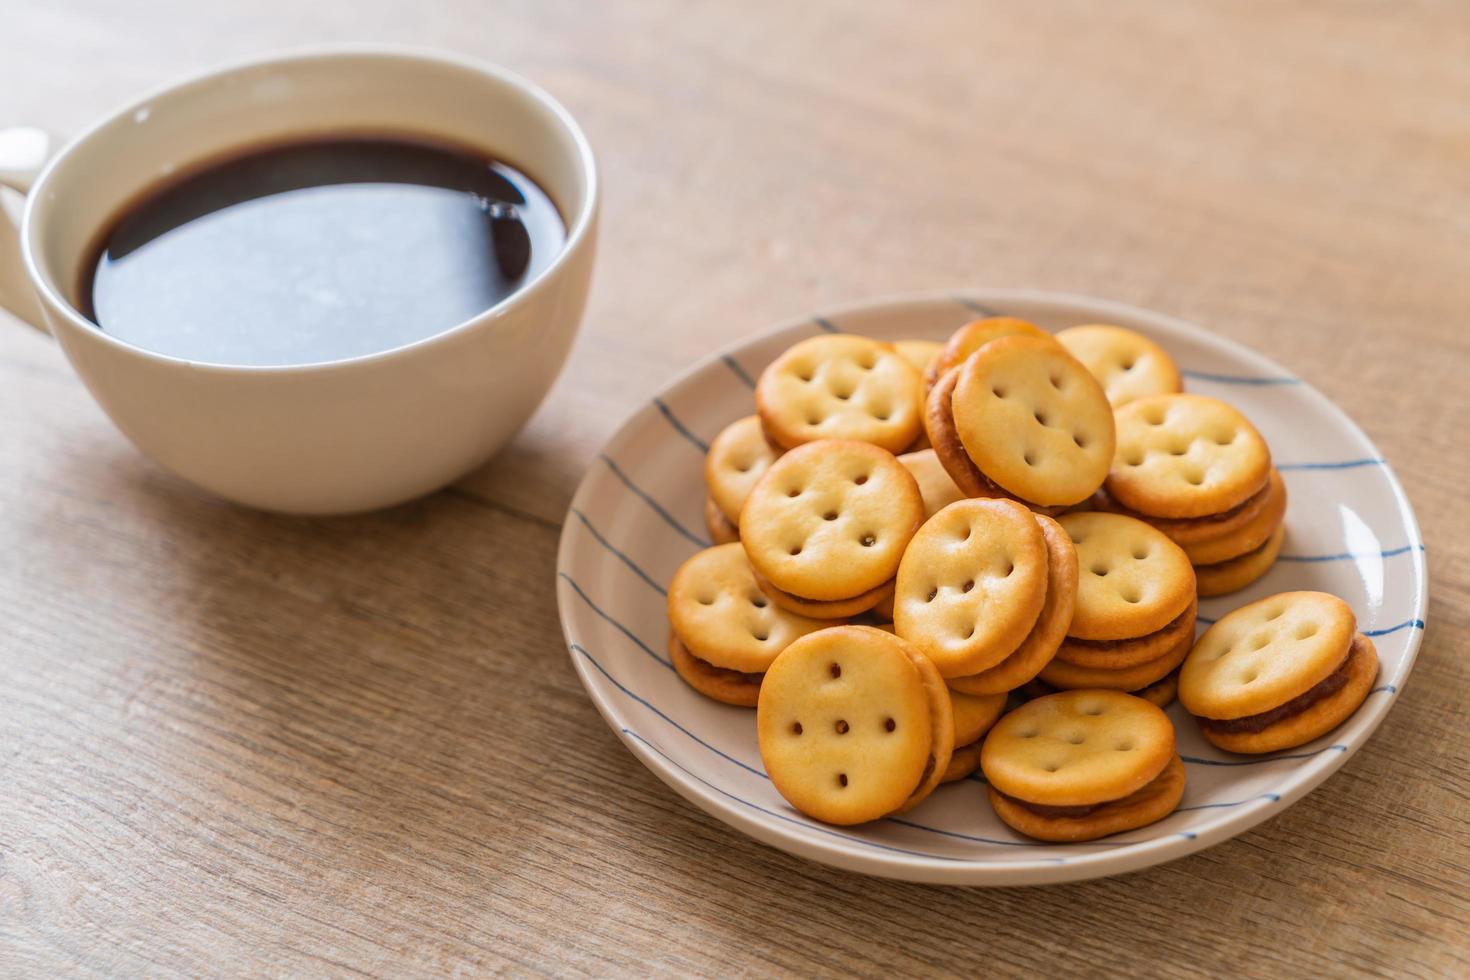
column 336, row 437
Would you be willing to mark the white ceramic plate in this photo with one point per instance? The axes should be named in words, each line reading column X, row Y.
column 638, row 514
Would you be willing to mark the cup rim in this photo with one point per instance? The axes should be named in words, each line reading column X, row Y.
column 579, row 228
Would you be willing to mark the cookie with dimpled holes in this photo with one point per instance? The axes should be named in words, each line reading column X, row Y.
column 945, row 441
column 1186, row 456
column 972, row 584
column 1265, row 654
column 1128, row 364
column 1132, row 580
column 720, row 614
column 1225, row 577
column 1192, row 530
column 732, row 687
column 1312, row 716
column 829, row 521
column 936, row 487
column 721, row 531
column 854, row 724
column 973, row 336
column 1050, row 630
column 1116, row 654
column 1034, row 421
column 1070, row 677
column 737, row 458
column 839, row 386
column 1250, row 536
column 1152, row 803
column 1080, row 756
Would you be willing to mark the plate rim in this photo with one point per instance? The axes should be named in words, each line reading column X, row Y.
column 936, row 870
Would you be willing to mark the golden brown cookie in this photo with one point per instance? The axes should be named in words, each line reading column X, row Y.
column 1132, row 580
column 1161, row 693
column 854, row 725
column 1248, row 537
column 971, row 584
column 1193, row 530
column 1155, row 801
column 1185, row 456
column 962, row 762
column 729, row 686
column 737, row 458
column 1034, row 421
column 721, row 531
column 973, row 336
column 1310, row 716
column 830, row 520
column 935, row 484
column 829, row 609
column 1078, row 748
column 1061, row 674
column 1115, row 654
column 1225, row 577
column 1265, row 654
column 838, row 386
column 721, row 616
column 1128, row 364
column 919, row 353
column 1040, row 645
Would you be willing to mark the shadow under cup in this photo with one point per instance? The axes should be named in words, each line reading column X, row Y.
column 341, row 436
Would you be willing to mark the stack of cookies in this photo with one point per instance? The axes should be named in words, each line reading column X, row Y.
column 1133, row 623
column 1015, row 519
column 1196, row 469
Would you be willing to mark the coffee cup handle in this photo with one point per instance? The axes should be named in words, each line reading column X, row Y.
column 24, row 151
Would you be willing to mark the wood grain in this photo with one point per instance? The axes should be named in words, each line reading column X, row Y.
column 237, row 743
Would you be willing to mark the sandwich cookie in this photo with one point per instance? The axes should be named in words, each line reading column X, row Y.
column 1129, row 365
column 1278, row 673
column 973, row 717
column 737, row 458
column 854, row 725
column 826, row 527
column 724, row 632
column 973, row 336
column 838, row 386
column 721, row 531
column 1080, row 765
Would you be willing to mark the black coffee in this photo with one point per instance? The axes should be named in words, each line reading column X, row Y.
column 319, row 250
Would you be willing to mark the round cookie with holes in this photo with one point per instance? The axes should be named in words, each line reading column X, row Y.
column 1278, row 672
column 1034, row 421
column 1222, row 578
column 827, row 525
column 720, row 615
column 1186, row 456
column 1249, row 536
column 1132, row 580
column 1129, row 365
column 838, row 386
column 973, row 336
column 972, row 584
column 1080, row 765
column 854, row 724
column 936, row 486
column 737, row 458
column 1050, row 630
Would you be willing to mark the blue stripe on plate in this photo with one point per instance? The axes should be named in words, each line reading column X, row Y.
column 1354, row 555
column 621, row 628
column 1385, row 689
column 1346, row 464
column 1273, row 797
column 1195, row 760
column 1240, row 379
column 975, row 307
column 680, row 427
column 668, row 518
column 969, row 837
column 608, row 545
column 825, row 324
column 1417, row 624
column 739, row 371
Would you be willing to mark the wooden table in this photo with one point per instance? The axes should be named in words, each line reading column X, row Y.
column 239, row 743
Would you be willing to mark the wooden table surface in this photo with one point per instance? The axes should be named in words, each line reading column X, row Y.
column 240, row 743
